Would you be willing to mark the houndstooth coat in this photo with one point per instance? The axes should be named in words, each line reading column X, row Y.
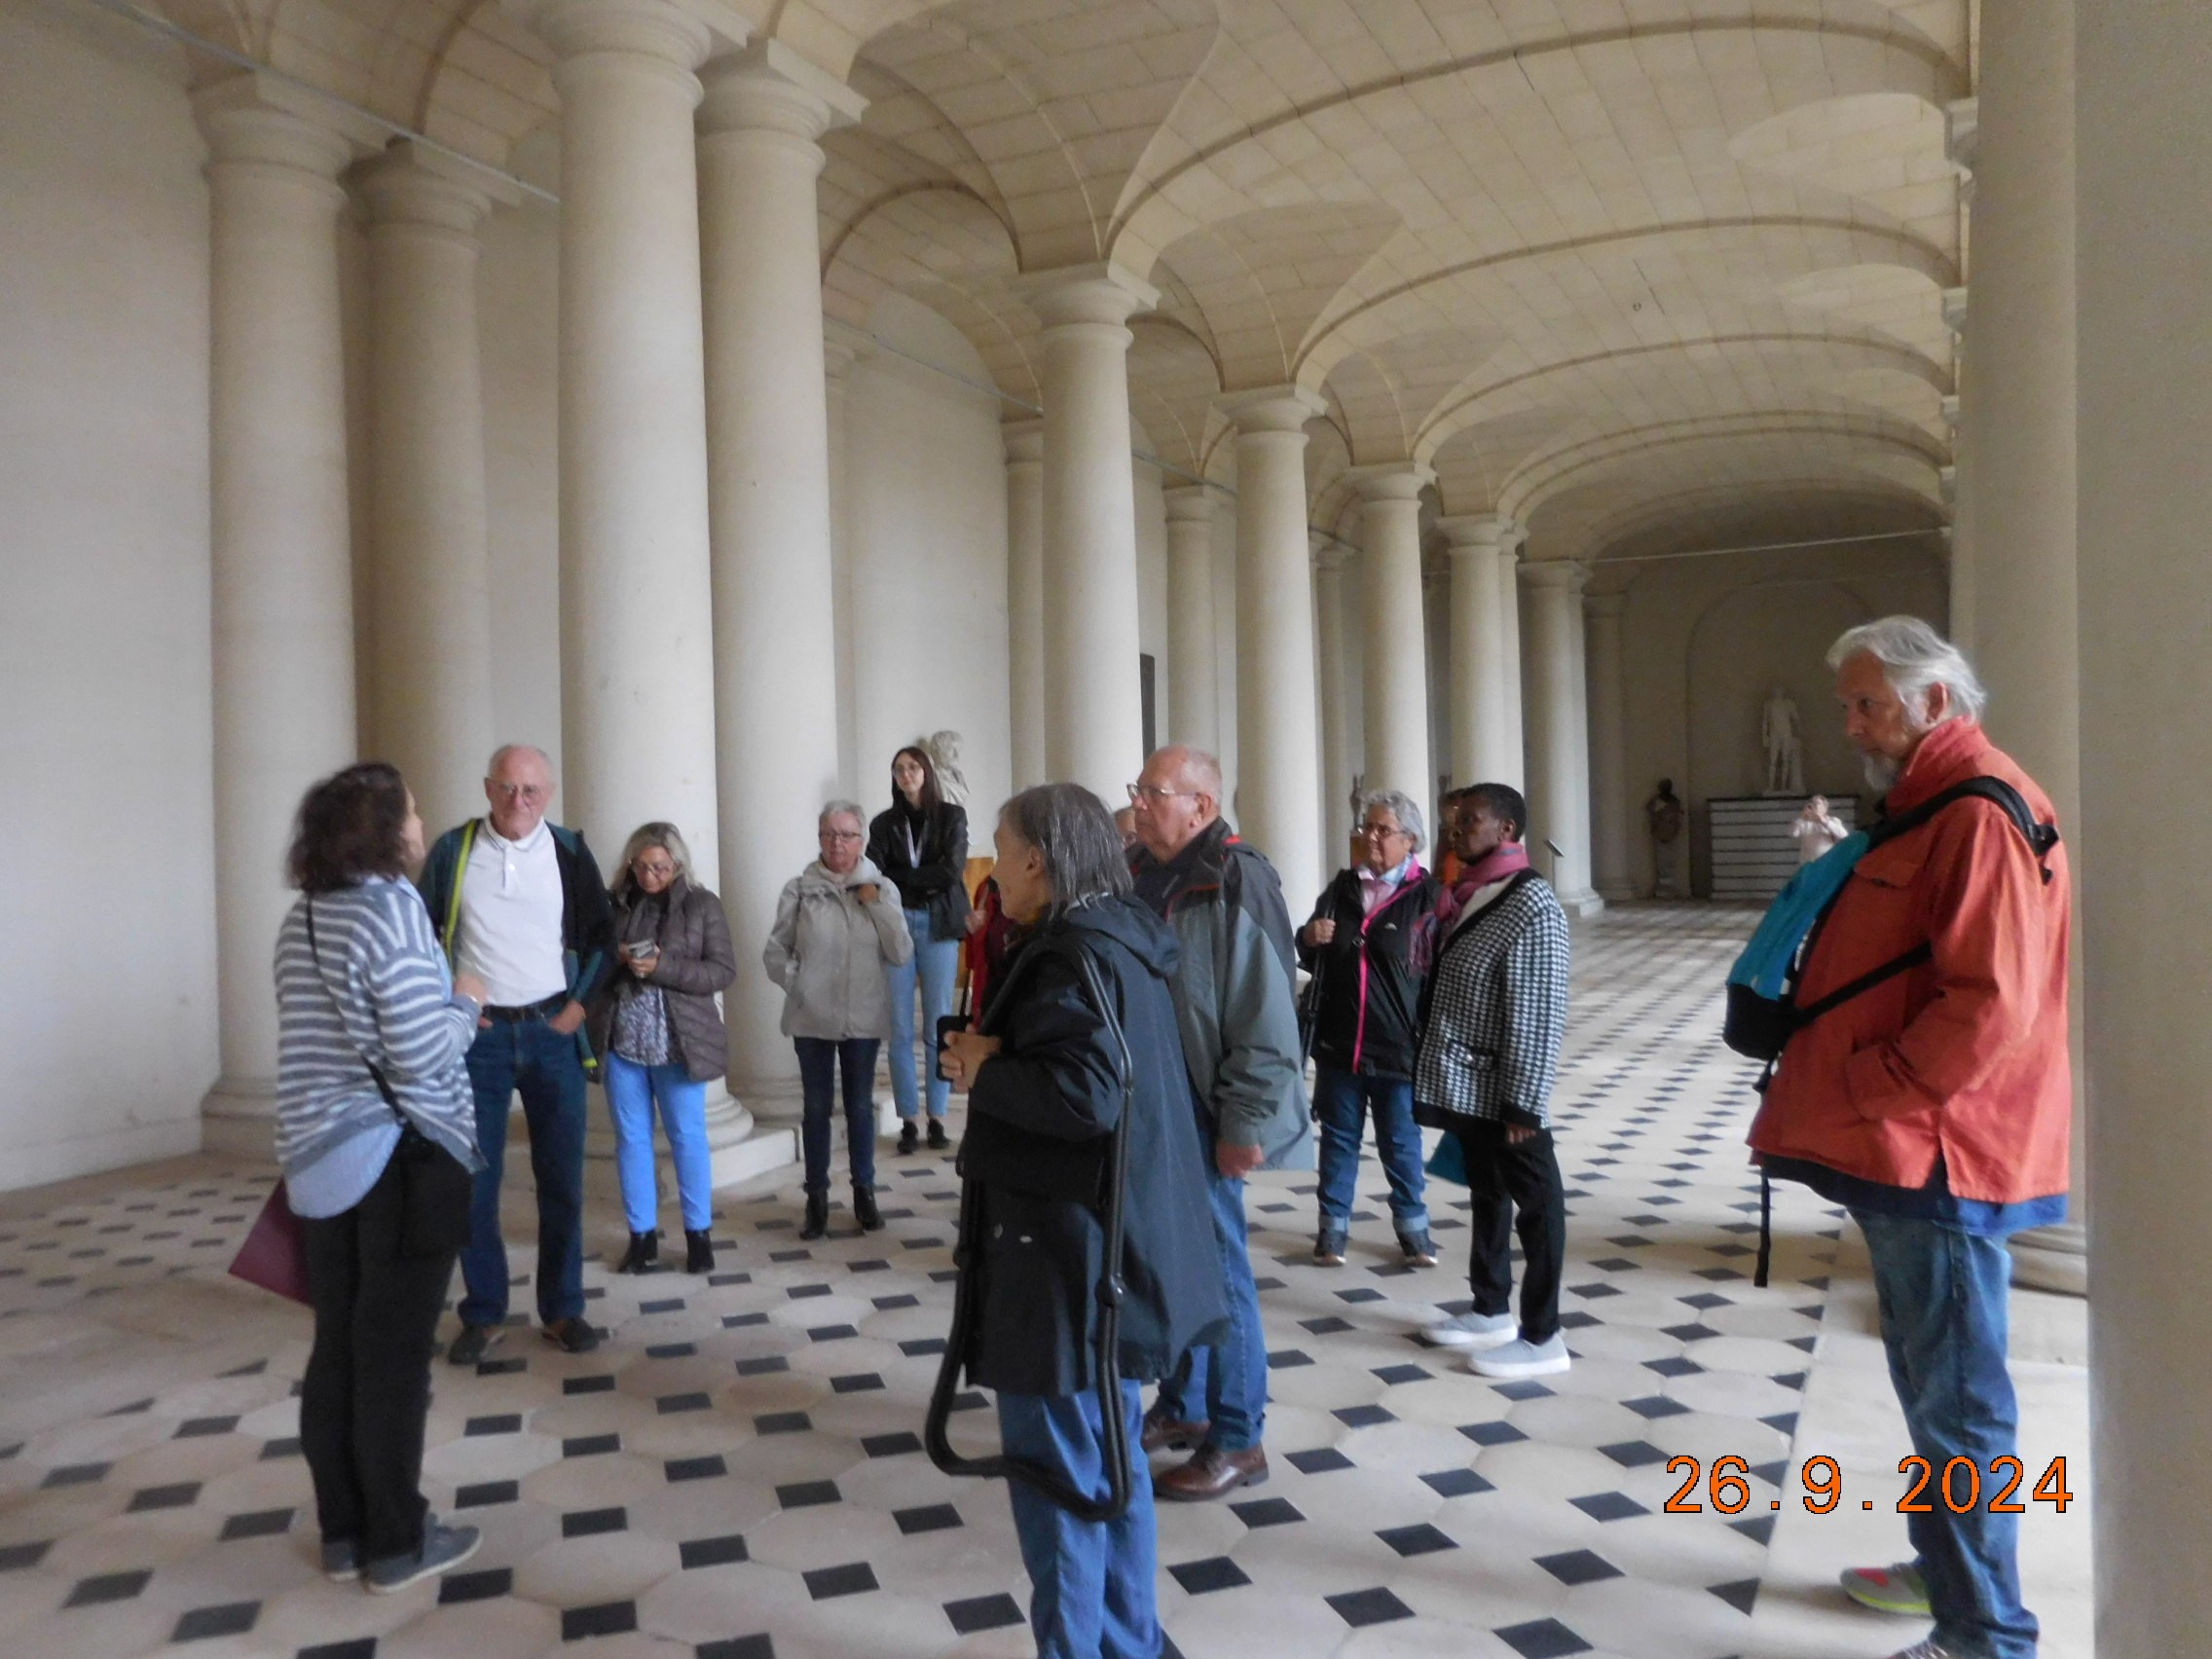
column 1495, row 1014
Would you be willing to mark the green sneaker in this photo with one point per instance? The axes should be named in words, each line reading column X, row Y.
column 1897, row 1589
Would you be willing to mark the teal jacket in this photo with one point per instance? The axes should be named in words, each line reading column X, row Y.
column 587, row 918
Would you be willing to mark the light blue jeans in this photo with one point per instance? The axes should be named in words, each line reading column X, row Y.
column 632, row 1091
column 1945, row 1304
column 1090, row 1582
column 933, row 963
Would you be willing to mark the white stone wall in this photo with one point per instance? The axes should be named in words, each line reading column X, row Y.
column 107, row 991
column 928, row 476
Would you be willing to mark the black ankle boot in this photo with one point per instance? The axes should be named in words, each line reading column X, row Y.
column 644, row 1252
column 817, row 1216
column 909, row 1135
column 865, row 1211
column 698, row 1252
column 938, row 1142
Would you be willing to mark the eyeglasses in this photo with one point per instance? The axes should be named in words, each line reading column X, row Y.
column 661, row 867
column 840, row 834
column 1381, row 831
column 519, row 791
column 1139, row 794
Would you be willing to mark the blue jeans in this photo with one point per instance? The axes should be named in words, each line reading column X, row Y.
column 819, row 1061
column 1231, row 1377
column 934, row 962
column 1090, row 1582
column 548, row 1069
column 1342, row 1099
column 632, row 1091
column 1944, row 1304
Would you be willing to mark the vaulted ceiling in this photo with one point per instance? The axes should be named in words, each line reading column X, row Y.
column 1627, row 270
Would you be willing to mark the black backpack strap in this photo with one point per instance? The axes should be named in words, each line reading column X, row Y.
column 2041, row 837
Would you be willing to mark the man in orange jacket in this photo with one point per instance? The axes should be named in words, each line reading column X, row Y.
column 1935, row 1106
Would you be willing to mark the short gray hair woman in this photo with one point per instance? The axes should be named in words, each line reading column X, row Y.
column 662, row 1035
column 1361, row 1024
column 839, row 929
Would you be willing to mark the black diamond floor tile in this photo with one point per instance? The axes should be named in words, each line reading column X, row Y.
column 1421, row 1539
column 1215, row 1573
column 696, row 1552
column 1360, row 1608
column 852, row 1578
column 983, row 1612
column 1578, row 1566
column 228, row 1618
column 1543, row 1638
column 606, row 1618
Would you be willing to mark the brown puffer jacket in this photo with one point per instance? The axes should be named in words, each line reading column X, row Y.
column 696, row 961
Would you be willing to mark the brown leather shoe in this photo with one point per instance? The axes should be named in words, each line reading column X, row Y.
column 1212, row 1472
column 1163, row 1433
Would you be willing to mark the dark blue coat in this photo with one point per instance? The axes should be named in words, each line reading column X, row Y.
column 1040, row 1113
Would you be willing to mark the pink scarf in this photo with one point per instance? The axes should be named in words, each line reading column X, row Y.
column 1507, row 858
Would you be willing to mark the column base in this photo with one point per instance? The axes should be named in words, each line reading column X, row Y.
column 238, row 1119
column 1615, row 892
column 2053, row 1257
column 1583, row 904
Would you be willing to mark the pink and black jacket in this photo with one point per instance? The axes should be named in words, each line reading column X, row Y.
column 1369, row 1016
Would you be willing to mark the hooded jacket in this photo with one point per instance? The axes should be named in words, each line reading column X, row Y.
column 1369, row 1017
column 828, row 951
column 1233, row 996
column 695, row 962
column 1962, row 1062
column 1041, row 1113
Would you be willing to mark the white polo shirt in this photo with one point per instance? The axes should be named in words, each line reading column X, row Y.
column 510, row 918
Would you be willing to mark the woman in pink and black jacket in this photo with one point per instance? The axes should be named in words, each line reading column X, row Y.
column 1366, row 1022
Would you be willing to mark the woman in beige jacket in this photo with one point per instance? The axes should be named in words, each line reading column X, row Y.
column 839, row 929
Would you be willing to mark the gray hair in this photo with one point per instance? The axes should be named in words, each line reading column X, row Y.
column 1400, row 806
column 1077, row 838
column 840, row 809
column 667, row 837
column 1914, row 658
column 492, row 766
column 1196, row 768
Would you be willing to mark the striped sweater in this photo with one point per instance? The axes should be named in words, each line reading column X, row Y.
column 381, row 992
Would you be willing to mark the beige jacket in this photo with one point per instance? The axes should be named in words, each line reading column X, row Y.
column 830, row 952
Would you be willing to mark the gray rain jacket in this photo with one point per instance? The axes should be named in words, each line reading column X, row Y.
column 830, row 952
column 1234, row 1001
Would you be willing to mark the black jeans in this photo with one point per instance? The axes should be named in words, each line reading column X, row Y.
column 1504, row 1179
column 367, row 1388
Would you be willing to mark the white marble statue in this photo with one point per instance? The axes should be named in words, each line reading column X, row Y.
column 943, row 750
column 1779, row 733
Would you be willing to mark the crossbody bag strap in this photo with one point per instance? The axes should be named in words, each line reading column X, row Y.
column 383, row 1086
column 450, row 937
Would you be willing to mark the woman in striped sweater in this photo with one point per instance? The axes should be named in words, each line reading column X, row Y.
column 376, row 1132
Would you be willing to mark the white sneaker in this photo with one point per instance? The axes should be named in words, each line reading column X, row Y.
column 1519, row 1358
column 1472, row 1332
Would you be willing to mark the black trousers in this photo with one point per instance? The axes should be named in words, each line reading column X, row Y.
column 367, row 1389
column 1516, row 1186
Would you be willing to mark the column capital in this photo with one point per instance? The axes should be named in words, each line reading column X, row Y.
column 1190, row 504
column 1102, row 292
column 1270, row 409
column 1329, row 555
column 1024, row 441
column 257, row 120
column 1610, row 605
column 415, row 186
column 768, row 88
column 1391, row 480
column 679, row 33
column 1467, row 532
column 1568, row 575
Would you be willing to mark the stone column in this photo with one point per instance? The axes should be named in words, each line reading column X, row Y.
column 1278, row 787
column 1191, row 663
column 1335, row 804
column 1093, row 685
column 842, row 348
column 1513, row 723
column 1480, row 753
column 637, row 657
column 283, row 574
column 1559, row 754
column 2146, row 495
column 2016, row 483
column 768, row 474
column 1025, row 596
column 1608, row 747
column 1397, row 641
column 431, row 577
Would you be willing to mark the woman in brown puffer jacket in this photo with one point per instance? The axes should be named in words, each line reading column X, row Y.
column 660, row 1030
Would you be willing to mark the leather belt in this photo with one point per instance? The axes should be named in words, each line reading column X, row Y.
column 545, row 1010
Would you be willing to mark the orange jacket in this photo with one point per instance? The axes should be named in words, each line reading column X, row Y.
column 1965, row 1056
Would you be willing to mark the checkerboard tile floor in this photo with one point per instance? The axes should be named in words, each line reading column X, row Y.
column 738, row 1473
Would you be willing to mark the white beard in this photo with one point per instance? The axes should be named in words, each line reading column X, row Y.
column 1881, row 772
